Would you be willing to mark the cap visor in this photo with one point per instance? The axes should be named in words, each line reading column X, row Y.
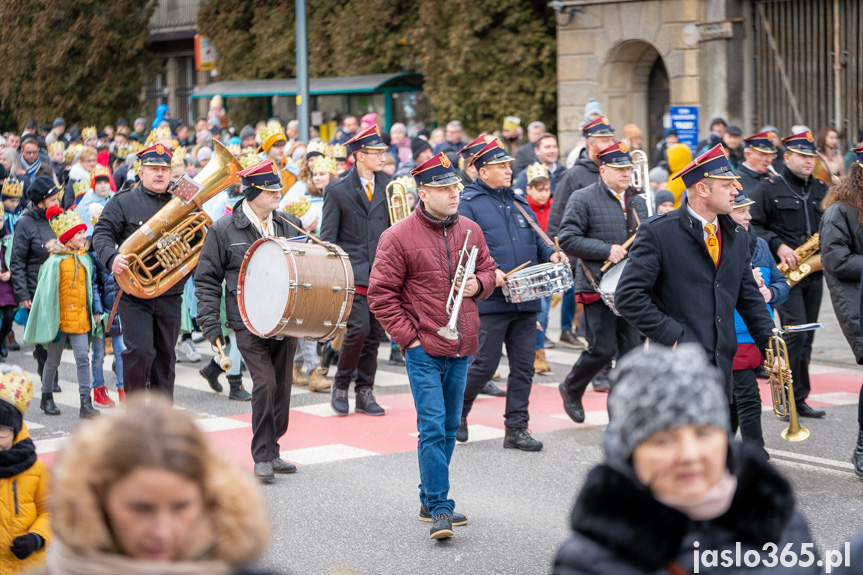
column 156, row 163
column 380, row 146
column 744, row 204
column 804, row 153
column 617, row 165
column 447, row 181
column 763, row 150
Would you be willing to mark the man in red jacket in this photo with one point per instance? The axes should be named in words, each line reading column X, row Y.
column 408, row 292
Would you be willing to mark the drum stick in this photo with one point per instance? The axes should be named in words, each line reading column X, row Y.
column 625, row 245
column 512, row 271
column 557, row 247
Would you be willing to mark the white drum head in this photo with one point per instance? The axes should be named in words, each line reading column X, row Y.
column 267, row 287
column 609, row 281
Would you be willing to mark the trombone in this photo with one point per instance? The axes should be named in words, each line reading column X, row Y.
column 397, row 202
column 641, row 177
column 782, row 388
column 453, row 302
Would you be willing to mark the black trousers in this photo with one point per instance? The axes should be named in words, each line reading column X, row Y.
column 609, row 336
column 150, row 330
column 360, row 348
column 802, row 306
column 271, row 364
column 516, row 330
column 746, row 408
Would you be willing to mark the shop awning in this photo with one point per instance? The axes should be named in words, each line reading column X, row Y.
column 317, row 86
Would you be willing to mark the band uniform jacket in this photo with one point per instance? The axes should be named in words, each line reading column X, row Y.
column 749, row 178
column 671, row 291
column 349, row 221
column 592, row 223
column 584, row 173
column 411, row 280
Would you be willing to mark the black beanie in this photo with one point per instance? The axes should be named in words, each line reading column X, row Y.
column 10, row 416
column 418, row 146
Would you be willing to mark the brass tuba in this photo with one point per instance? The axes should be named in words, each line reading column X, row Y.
column 809, row 261
column 166, row 248
column 782, row 388
column 397, row 202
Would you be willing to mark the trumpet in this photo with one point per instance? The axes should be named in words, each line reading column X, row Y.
column 782, row 388
column 641, row 177
column 397, row 202
column 453, row 303
column 809, row 261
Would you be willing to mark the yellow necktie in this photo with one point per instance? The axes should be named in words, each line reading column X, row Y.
column 369, row 191
column 620, row 201
column 264, row 226
column 712, row 243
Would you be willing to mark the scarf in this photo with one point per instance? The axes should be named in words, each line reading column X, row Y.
column 31, row 168
column 63, row 560
column 256, row 221
column 17, row 459
column 711, row 505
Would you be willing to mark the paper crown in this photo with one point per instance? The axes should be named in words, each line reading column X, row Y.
column 616, row 156
column 13, row 188
column 160, row 134
column 80, row 188
column 72, row 153
column 369, row 139
column 492, row 153
column 16, row 387
column 235, row 150
column 859, row 153
column 100, row 172
column 58, row 146
column 511, row 123
column 598, row 127
column 337, row 151
column 155, row 155
column 760, row 142
column 89, row 133
column 471, row 149
column 248, row 158
column 408, row 182
column 318, row 164
column 178, row 158
column 436, row 172
column 270, row 134
column 65, row 224
column 299, row 207
column 122, row 152
column 536, row 170
column 710, row 164
column 802, row 143
column 138, row 147
column 316, row 148
column 263, row 175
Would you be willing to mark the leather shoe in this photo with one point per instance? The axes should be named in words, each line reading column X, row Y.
column 805, row 410
column 339, row 401
column 282, row 466
column 457, row 518
column 56, row 387
column 520, row 439
column 857, row 457
column 441, row 526
column 47, row 404
column 366, row 403
column 600, row 381
column 570, row 340
column 573, row 408
column 491, row 389
column 461, row 434
column 264, row 472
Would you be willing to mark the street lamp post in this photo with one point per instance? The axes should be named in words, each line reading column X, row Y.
column 302, row 72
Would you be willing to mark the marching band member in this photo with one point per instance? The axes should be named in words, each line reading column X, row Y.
column 150, row 344
column 786, row 213
column 758, row 155
column 597, row 221
column 691, row 268
column 270, row 360
column 354, row 217
column 491, row 202
column 408, row 293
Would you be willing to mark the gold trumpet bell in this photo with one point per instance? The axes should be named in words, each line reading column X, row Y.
column 782, row 389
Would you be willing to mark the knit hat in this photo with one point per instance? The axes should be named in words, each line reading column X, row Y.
column 59, row 122
column 41, row 188
column 64, row 224
column 204, row 154
column 247, row 132
column 16, row 390
column 663, row 196
column 658, row 174
column 418, row 146
column 659, row 389
column 592, row 107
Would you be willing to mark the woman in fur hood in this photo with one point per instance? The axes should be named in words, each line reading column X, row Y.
column 145, row 494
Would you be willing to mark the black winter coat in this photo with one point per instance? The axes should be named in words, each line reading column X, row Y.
column 671, row 291
column 350, row 222
column 124, row 213
column 226, row 244
column 841, row 241
column 584, row 173
column 619, row 528
column 32, row 232
column 593, row 221
column 107, row 290
column 749, row 179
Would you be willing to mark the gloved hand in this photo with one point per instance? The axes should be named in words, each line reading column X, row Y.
column 214, row 335
column 25, row 545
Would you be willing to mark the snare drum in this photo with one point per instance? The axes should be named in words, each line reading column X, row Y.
column 293, row 289
column 608, row 284
column 537, row 282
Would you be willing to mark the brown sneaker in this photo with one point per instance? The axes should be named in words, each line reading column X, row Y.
column 570, row 340
column 299, row 378
column 317, row 381
column 539, row 364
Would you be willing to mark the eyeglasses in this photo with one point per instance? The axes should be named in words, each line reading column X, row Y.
column 379, row 154
column 6, row 432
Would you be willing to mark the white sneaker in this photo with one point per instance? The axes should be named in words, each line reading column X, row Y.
column 186, row 351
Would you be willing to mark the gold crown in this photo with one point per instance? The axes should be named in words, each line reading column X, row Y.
column 57, row 146
column 536, row 170
column 272, row 133
column 179, row 157
column 337, row 151
column 16, row 388
column 159, row 134
column 235, row 150
column 100, row 171
column 81, row 187
column 71, row 152
column 318, row 146
column 13, row 188
column 138, row 147
column 511, row 123
column 298, row 207
column 322, row 164
column 66, row 221
column 249, row 158
column 88, row 133
column 122, row 151
column 408, row 182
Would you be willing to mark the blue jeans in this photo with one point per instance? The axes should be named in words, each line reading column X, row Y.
column 542, row 318
column 99, row 356
column 567, row 309
column 437, row 385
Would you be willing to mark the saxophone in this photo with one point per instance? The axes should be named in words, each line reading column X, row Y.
column 809, row 260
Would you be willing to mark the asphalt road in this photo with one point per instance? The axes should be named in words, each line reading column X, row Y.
column 352, row 506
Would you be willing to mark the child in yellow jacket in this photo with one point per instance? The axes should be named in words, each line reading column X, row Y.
column 24, row 517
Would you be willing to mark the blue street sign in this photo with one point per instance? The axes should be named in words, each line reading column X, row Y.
column 684, row 119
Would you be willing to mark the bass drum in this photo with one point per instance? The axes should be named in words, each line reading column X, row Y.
column 287, row 288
